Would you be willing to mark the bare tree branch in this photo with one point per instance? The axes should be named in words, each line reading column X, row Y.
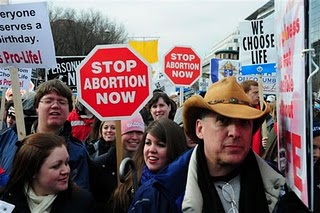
column 77, row 33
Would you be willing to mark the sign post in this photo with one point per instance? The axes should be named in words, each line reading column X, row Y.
column 114, row 82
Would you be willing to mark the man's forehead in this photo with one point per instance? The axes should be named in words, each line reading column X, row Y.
column 53, row 94
column 254, row 88
column 216, row 115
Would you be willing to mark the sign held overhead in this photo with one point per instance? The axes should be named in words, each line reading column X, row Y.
column 114, row 82
column 182, row 66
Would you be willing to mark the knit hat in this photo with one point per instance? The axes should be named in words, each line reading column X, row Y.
column 133, row 124
column 316, row 128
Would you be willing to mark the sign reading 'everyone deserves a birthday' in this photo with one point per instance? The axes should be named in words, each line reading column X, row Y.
column 25, row 36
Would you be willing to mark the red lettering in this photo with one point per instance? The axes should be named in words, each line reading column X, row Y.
column 296, row 144
column 294, row 141
column 290, row 30
column 286, row 85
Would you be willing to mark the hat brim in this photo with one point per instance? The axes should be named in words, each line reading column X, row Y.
column 192, row 110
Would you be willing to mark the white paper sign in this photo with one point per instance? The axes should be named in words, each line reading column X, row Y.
column 6, row 207
column 24, row 76
column 25, row 36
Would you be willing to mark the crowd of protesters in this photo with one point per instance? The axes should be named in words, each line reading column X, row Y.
column 203, row 155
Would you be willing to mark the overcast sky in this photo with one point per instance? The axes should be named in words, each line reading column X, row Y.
column 196, row 23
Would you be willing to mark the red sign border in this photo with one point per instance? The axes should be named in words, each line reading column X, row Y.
column 84, row 61
column 164, row 66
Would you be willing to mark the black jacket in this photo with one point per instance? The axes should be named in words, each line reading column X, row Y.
column 69, row 201
column 103, row 174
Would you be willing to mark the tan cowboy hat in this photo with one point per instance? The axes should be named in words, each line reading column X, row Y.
column 225, row 97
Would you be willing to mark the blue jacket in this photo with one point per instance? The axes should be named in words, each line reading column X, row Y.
column 8, row 148
column 77, row 152
column 163, row 193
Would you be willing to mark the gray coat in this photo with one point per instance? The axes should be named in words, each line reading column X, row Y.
column 272, row 180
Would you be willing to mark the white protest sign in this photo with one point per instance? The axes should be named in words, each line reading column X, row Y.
column 24, row 76
column 25, row 36
column 257, row 46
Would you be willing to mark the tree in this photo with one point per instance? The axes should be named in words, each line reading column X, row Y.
column 77, row 33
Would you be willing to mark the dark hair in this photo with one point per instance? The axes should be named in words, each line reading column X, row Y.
column 94, row 133
column 168, row 132
column 157, row 90
column 166, row 99
column 8, row 104
column 50, row 86
column 246, row 85
column 30, row 157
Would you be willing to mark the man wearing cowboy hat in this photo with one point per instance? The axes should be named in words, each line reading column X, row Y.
column 224, row 174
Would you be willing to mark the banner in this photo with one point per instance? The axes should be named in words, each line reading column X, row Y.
column 291, row 100
column 147, row 49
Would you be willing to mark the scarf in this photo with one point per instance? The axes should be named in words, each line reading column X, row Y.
column 252, row 193
column 146, row 175
column 39, row 204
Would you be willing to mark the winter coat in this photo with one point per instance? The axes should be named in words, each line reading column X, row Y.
column 103, row 174
column 71, row 200
column 177, row 184
column 272, row 180
column 81, row 125
column 4, row 178
column 77, row 153
column 8, row 148
column 164, row 192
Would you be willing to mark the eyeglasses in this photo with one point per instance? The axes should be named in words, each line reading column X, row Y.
column 50, row 102
column 228, row 195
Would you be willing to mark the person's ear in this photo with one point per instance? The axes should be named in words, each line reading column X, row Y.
column 199, row 128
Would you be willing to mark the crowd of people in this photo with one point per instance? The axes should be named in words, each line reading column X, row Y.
column 203, row 155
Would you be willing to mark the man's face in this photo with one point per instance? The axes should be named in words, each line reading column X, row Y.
column 53, row 111
column 253, row 94
column 226, row 141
